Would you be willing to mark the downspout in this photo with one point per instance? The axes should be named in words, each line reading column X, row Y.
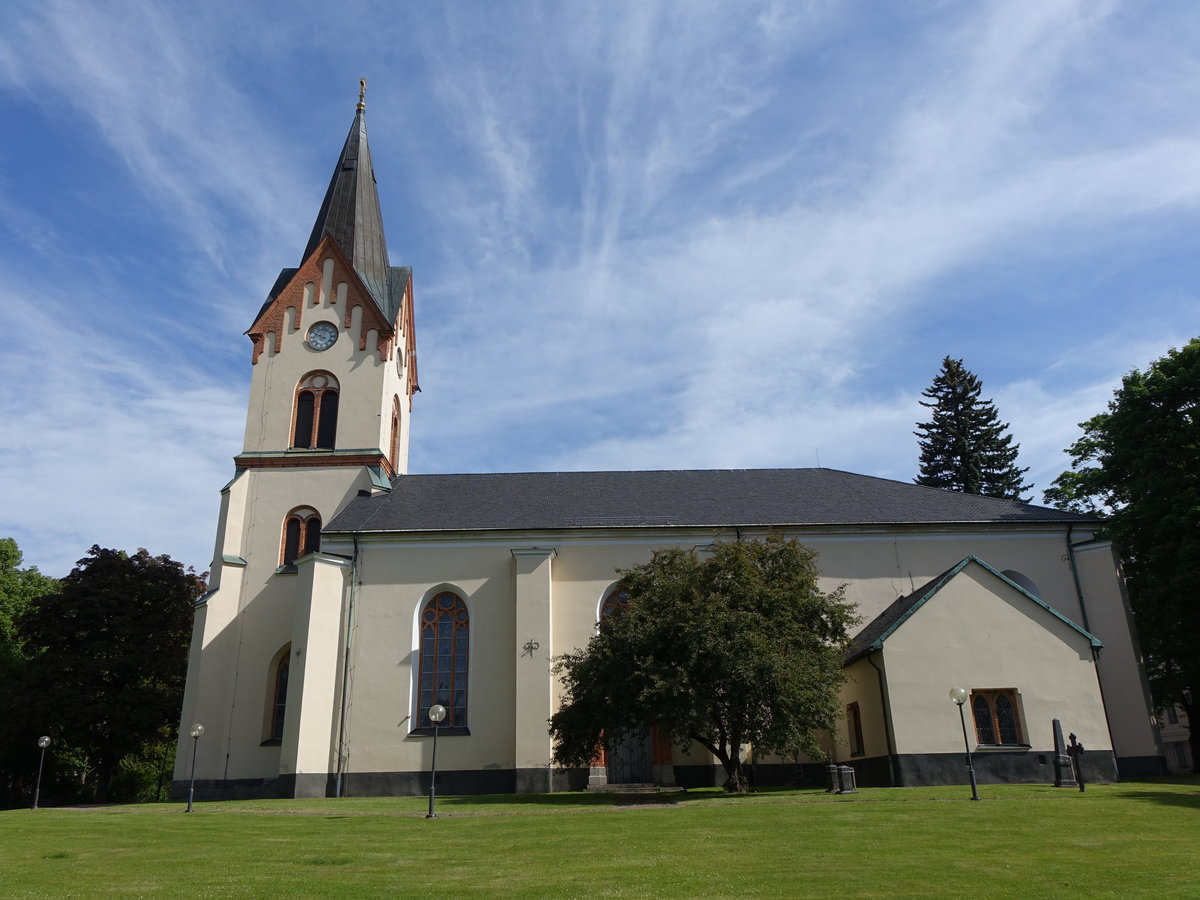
column 1078, row 585
column 893, row 762
column 341, row 741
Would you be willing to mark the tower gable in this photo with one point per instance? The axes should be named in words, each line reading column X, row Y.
column 326, row 278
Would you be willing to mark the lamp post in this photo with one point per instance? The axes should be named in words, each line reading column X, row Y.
column 43, row 742
column 959, row 696
column 195, row 732
column 437, row 712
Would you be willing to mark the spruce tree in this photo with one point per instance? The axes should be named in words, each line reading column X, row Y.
column 964, row 446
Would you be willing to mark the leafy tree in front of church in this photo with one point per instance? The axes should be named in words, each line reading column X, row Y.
column 737, row 649
column 19, row 587
column 1139, row 464
column 108, row 657
column 964, row 445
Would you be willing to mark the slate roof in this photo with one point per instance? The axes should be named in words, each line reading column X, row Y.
column 882, row 627
column 721, row 497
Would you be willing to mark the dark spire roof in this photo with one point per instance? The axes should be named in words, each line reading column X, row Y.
column 350, row 212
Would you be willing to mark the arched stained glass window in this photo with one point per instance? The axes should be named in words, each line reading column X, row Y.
column 616, row 599
column 985, row 732
column 442, row 675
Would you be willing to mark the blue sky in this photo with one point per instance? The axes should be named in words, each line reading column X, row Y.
column 644, row 234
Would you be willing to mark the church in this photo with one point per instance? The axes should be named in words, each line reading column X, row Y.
column 347, row 596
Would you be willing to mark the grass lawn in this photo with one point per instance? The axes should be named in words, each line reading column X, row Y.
column 1133, row 839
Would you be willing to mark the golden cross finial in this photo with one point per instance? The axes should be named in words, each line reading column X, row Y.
column 362, row 93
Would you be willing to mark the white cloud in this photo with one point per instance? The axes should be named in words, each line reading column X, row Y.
column 646, row 234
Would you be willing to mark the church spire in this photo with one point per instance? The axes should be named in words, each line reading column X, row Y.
column 350, row 212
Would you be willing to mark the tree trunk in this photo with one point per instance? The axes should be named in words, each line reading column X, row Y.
column 735, row 778
column 104, row 775
column 1193, row 714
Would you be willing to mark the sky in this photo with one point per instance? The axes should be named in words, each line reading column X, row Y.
column 645, row 234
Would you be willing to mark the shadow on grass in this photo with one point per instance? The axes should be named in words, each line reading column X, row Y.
column 593, row 799
column 1167, row 798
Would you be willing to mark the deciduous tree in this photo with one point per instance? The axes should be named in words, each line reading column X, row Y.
column 19, row 587
column 964, row 446
column 738, row 648
column 109, row 654
column 1139, row 463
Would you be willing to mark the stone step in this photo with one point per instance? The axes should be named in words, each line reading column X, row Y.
column 626, row 788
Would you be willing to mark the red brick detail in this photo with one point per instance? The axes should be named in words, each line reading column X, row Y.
column 292, row 297
column 410, row 343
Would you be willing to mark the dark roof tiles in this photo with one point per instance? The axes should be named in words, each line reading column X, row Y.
column 722, row 497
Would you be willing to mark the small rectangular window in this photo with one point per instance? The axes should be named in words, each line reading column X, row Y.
column 854, row 725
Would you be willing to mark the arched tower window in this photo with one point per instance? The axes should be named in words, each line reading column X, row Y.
column 394, row 446
column 301, row 534
column 316, row 412
column 442, row 675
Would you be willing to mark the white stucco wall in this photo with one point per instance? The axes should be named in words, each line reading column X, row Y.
column 979, row 633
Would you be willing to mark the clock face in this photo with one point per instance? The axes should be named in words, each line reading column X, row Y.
column 322, row 335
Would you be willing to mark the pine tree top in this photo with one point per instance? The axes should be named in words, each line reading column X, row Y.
column 964, row 446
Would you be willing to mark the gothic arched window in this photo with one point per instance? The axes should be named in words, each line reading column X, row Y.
column 616, row 599
column 442, row 673
column 279, row 693
column 301, row 535
column 316, row 412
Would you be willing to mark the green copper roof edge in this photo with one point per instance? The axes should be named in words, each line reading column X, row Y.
column 877, row 644
column 236, row 475
column 1095, row 641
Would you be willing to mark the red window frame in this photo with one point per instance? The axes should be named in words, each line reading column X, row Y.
column 997, row 718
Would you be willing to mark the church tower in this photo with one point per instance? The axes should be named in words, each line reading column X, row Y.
column 333, row 374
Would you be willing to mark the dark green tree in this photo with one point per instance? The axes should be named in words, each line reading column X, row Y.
column 964, row 446
column 19, row 587
column 1139, row 463
column 739, row 648
column 108, row 655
